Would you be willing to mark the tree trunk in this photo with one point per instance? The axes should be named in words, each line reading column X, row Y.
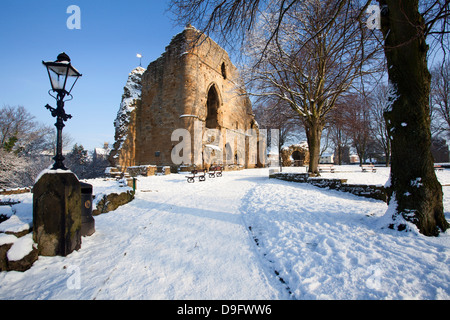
column 415, row 193
column 339, row 152
column 313, row 134
column 387, row 152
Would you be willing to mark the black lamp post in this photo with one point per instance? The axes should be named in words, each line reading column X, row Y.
column 62, row 75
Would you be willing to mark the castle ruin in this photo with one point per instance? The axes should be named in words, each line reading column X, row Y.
column 192, row 87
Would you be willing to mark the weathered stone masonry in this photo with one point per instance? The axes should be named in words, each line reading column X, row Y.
column 362, row 190
column 193, row 81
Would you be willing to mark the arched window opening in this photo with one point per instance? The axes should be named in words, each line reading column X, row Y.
column 298, row 158
column 212, row 106
column 296, row 155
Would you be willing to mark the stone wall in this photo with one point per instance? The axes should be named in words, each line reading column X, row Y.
column 289, row 155
column 11, row 234
column 12, row 264
column 6, row 192
column 145, row 171
column 163, row 95
column 112, row 201
column 367, row 191
column 192, row 86
column 124, row 148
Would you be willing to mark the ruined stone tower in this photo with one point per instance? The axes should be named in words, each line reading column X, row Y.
column 193, row 86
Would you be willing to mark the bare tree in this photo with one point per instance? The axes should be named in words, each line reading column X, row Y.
column 357, row 122
column 15, row 123
column 12, row 168
column 440, row 97
column 415, row 193
column 19, row 132
column 23, row 142
column 378, row 104
column 273, row 114
column 337, row 130
column 310, row 64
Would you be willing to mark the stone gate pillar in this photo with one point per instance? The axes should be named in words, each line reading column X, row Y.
column 57, row 213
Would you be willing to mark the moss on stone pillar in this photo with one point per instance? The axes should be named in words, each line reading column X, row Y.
column 57, row 213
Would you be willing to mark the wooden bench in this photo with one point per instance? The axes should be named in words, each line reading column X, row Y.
column 196, row 174
column 365, row 167
column 215, row 171
column 326, row 167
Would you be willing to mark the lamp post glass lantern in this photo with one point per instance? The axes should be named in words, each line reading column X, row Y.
column 63, row 77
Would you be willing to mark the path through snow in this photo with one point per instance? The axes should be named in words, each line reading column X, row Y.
column 174, row 241
column 242, row 236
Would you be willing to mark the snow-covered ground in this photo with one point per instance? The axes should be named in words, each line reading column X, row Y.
column 242, row 236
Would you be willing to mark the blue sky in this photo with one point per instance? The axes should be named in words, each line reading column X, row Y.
column 103, row 50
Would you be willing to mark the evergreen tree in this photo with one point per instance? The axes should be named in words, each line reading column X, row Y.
column 77, row 161
column 9, row 145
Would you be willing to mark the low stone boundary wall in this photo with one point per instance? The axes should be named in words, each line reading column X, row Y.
column 362, row 190
column 15, row 233
column 7, row 192
column 135, row 171
column 367, row 191
column 112, row 201
column 145, row 171
column 106, row 203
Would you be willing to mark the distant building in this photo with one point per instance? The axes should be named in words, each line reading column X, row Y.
column 101, row 153
column 354, row 158
column 327, row 158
